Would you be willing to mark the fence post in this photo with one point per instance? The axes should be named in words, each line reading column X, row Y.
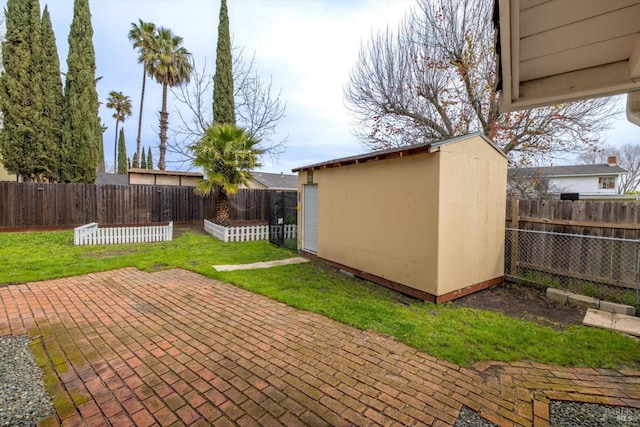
column 515, row 217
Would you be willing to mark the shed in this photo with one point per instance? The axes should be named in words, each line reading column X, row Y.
column 426, row 219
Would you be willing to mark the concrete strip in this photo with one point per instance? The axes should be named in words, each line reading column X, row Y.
column 613, row 307
column 265, row 264
column 618, row 322
column 584, row 301
column 558, row 295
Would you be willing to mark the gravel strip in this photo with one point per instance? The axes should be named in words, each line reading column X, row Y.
column 23, row 398
column 468, row 418
column 569, row 414
column 572, row 414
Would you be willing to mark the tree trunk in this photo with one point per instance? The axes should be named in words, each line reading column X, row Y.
column 164, row 124
column 115, row 149
column 144, row 82
column 222, row 208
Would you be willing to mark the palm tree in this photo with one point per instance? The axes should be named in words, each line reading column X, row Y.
column 142, row 36
column 122, row 106
column 227, row 154
column 170, row 66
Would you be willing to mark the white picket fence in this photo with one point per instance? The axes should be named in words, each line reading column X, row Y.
column 245, row 233
column 90, row 234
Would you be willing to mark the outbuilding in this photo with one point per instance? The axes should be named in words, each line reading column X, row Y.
column 427, row 219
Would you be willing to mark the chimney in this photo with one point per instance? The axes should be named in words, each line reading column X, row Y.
column 612, row 160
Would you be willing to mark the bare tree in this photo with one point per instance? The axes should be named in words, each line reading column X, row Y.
column 434, row 78
column 258, row 106
column 627, row 157
column 531, row 183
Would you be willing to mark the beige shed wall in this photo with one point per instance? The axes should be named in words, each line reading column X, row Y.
column 472, row 214
column 381, row 218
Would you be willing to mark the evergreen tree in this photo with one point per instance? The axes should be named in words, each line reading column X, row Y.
column 53, row 98
column 134, row 163
column 21, row 99
column 128, row 163
column 149, row 159
column 122, row 154
column 143, row 160
column 223, row 103
column 82, row 132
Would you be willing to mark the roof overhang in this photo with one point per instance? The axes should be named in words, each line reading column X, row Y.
column 551, row 52
column 392, row 153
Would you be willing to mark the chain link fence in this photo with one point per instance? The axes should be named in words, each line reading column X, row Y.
column 602, row 267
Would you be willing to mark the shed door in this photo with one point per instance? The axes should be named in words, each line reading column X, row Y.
column 310, row 218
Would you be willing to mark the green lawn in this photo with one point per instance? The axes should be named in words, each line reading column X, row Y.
column 458, row 335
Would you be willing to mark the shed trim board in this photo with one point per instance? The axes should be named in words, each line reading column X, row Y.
column 392, row 153
column 426, row 220
column 407, row 290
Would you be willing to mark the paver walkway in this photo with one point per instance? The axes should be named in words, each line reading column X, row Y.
column 176, row 348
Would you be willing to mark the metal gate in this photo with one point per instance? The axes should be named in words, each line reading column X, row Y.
column 283, row 218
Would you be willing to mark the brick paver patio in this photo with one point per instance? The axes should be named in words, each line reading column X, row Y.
column 175, row 348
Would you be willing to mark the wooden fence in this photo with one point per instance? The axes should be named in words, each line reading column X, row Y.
column 593, row 218
column 27, row 205
column 574, row 241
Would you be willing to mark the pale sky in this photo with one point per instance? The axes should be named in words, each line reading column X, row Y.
column 306, row 46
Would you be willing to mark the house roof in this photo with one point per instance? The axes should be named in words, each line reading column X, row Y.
column 551, row 52
column 160, row 172
column 404, row 151
column 276, row 181
column 567, row 171
column 104, row 178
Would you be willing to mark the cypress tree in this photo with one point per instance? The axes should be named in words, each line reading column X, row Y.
column 82, row 132
column 21, row 99
column 149, row 159
column 53, row 99
column 143, row 160
column 135, row 161
column 223, row 103
column 122, row 154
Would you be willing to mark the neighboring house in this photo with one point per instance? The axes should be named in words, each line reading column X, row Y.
column 599, row 180
column 4, row 175
column 158, row 177
column 273, row 181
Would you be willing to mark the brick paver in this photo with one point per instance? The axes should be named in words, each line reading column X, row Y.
column 175, row 348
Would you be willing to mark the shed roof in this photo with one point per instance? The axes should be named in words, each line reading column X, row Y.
column 566, row 171
column 276, row 181
column 404, row 151
column 165, row 172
